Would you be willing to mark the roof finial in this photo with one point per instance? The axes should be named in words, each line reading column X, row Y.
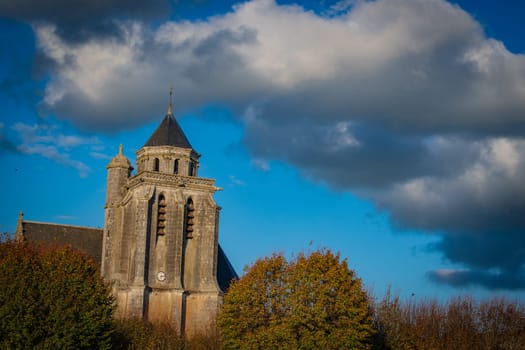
column 120, row 149
column 170, row 110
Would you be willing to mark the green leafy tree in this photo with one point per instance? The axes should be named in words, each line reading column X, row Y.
column 311, row 302
column 52, row 298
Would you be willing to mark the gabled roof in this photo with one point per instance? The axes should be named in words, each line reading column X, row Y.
column 86, row 239
column 168, row 133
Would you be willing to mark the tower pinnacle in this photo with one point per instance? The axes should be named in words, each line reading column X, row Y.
column 119, row 161
column 170, row 110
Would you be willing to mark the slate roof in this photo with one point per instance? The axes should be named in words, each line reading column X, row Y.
column 168, row 133
column 225, row 271
column 86, row 239
column 89, row 241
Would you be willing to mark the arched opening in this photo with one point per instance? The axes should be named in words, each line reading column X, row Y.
column 191, row 168
column 156, row 164
column 176, row 167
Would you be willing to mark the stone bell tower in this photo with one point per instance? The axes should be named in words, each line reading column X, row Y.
column 160, row 244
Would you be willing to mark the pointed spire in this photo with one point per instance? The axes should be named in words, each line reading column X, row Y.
column 170, row 108
column 169, row 133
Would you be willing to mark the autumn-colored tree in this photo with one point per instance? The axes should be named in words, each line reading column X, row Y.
column 461, row 323
column 311, row 302
column 502, row 324
column 52, row 298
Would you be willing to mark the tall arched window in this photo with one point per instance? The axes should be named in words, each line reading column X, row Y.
column 176, row 167
column 156, row 164
column 191, row 168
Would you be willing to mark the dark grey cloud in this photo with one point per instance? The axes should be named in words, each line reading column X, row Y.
column 406, row 103
column 487, row 250
column 488, row 280
column 82, row 19
column 357, row 154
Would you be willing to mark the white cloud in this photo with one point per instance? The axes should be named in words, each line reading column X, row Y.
column 53, row 154
column 405, row 102
column 98, row 155
column 381, row 60
column 46, row 141
column 261, row 164
column 235, row 181
column 473, row 199
column 45, row 133
column 340, row 136
column 505, row 154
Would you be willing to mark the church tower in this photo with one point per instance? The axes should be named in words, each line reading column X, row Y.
column 160, row 244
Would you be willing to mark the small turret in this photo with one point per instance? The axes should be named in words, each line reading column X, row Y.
column 19, row 234
column 120, row 161
column 119, row 171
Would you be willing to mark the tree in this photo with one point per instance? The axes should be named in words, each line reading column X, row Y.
column 52, row 298
column 311, row 302
column 460, row 323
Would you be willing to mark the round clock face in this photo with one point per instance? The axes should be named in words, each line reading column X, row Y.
column 161, row 276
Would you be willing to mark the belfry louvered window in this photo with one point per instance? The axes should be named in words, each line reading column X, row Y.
column 161, row 218
column 190, row 215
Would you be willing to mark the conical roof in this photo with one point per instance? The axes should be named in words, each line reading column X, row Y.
column 168, row 133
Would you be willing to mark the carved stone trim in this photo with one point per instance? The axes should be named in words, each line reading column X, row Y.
column 172, row 179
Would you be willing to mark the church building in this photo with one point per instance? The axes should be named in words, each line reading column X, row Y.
column 159, row 246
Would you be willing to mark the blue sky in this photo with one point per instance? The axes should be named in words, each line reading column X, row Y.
column 389, row 131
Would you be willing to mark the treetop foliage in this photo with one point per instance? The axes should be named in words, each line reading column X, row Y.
column 313, row 301
column 52, row 298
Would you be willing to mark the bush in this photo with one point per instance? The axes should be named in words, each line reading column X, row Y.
column 135, row 334
column 52, row 298
column 311, row 302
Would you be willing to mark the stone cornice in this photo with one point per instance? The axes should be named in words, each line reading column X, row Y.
column 159, row 178
column 166, row 150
